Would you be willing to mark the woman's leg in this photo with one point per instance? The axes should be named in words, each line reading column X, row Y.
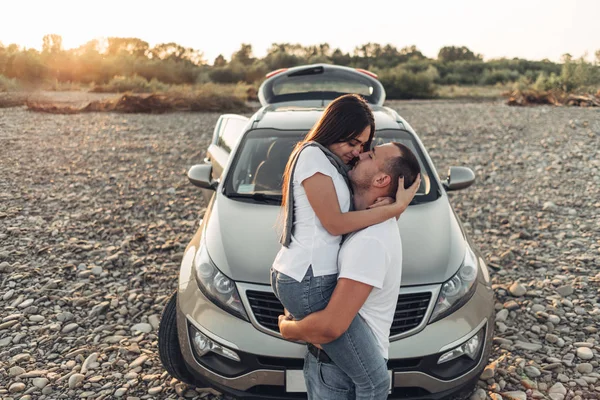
column 292, row 294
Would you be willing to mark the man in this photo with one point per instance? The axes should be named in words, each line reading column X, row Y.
column 370, row 265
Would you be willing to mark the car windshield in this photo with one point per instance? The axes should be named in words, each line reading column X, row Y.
column 257, row 170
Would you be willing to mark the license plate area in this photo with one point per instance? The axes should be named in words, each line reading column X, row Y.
column 294, row 381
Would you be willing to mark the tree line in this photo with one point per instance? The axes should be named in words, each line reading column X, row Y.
column 405, row 72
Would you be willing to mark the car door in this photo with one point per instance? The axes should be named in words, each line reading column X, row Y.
column 228, row 131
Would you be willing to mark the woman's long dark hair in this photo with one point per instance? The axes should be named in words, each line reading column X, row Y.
column 344, row 119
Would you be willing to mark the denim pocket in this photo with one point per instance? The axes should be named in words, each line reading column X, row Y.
column 327, row 284
column 333, row 379
column 283, row 278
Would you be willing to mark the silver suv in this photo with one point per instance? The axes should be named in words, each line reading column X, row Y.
column 219, row 329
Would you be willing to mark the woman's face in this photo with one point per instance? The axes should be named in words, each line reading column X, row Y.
column 347, row 151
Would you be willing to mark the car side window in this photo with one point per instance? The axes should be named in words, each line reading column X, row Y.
column 230, row 133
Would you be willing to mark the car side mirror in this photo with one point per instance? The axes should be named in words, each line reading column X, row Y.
column 458, row 178
column 201, row 176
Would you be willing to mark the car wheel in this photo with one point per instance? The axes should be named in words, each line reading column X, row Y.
column 169, row 351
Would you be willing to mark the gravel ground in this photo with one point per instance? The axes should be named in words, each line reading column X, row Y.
column 96, row 210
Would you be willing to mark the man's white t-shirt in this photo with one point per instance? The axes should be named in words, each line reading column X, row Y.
column 374, row 256
column 311, row 244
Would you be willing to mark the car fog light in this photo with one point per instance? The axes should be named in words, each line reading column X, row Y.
column 470, row 348
column 203, row 345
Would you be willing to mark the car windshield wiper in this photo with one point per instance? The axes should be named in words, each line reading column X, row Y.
column 258, row 197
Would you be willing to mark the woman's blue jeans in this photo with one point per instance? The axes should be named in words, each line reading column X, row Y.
column 355, row 352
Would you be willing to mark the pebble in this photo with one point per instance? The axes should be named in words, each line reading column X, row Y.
column 70, row 327
column 16, row 387
column 91, row 359
column 557, row 388
column 142, row 327
column 479, row 395
column 75, row 380
column 40, row 383
column 97, row 270
column 15, row 371
column 502, row 315
column 528, row 346
column 36, row 318
column 488, row 372
column 138, row 361
column 26, row 303
column 154, row 320
column 154, row 390
column 532, row 371
column 551, row 338
column 515, row 395
column 537, row 307
column 585, row 368
column 555, row 319
column 585, row 353
column 517, row 289
column 9, row 293
column 565, row 290
column 65, row 316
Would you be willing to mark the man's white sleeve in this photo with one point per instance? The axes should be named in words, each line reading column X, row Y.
column 365, row 261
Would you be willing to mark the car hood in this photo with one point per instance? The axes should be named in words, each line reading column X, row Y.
column 242, row 240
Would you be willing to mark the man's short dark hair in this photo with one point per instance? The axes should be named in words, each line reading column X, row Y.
column 406, row 165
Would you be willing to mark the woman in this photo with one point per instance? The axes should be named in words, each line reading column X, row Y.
column 317, row 210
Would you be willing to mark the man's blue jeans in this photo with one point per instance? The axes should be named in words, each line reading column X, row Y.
column 355, row 353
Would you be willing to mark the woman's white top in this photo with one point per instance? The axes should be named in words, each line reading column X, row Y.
column 311, row 244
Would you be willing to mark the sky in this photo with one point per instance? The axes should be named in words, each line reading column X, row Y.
column 531, row 29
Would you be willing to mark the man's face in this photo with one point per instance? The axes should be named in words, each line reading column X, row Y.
column 371, row 164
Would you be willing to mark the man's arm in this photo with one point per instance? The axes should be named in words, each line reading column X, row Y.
column 327, row 325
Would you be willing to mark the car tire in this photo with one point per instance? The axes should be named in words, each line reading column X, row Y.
column 169, row 350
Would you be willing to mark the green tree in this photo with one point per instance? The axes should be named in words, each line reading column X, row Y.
column 131, row 46
column 282, row 55
column 175, row 52
column 244, row 55
column 220, row 61
column 52, row 44
column 454, row 53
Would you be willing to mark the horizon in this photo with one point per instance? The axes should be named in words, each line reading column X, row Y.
column 561, row 27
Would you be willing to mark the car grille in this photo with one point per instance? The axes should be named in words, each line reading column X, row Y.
column 410, row 310
column 266, row 308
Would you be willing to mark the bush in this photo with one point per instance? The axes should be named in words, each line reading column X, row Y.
column 575, row 77
column 232, row 73
column 400, row 83
column 545, row 82
column 8, row 85
column 502, row 76
column 135, row 84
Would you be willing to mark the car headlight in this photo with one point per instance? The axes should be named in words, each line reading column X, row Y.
column 217, row 287
column 457, row 290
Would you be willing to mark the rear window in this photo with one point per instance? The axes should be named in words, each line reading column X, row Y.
column 263, row 154
column 321, row 83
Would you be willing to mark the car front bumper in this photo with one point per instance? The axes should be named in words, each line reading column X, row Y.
column 265, row 358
